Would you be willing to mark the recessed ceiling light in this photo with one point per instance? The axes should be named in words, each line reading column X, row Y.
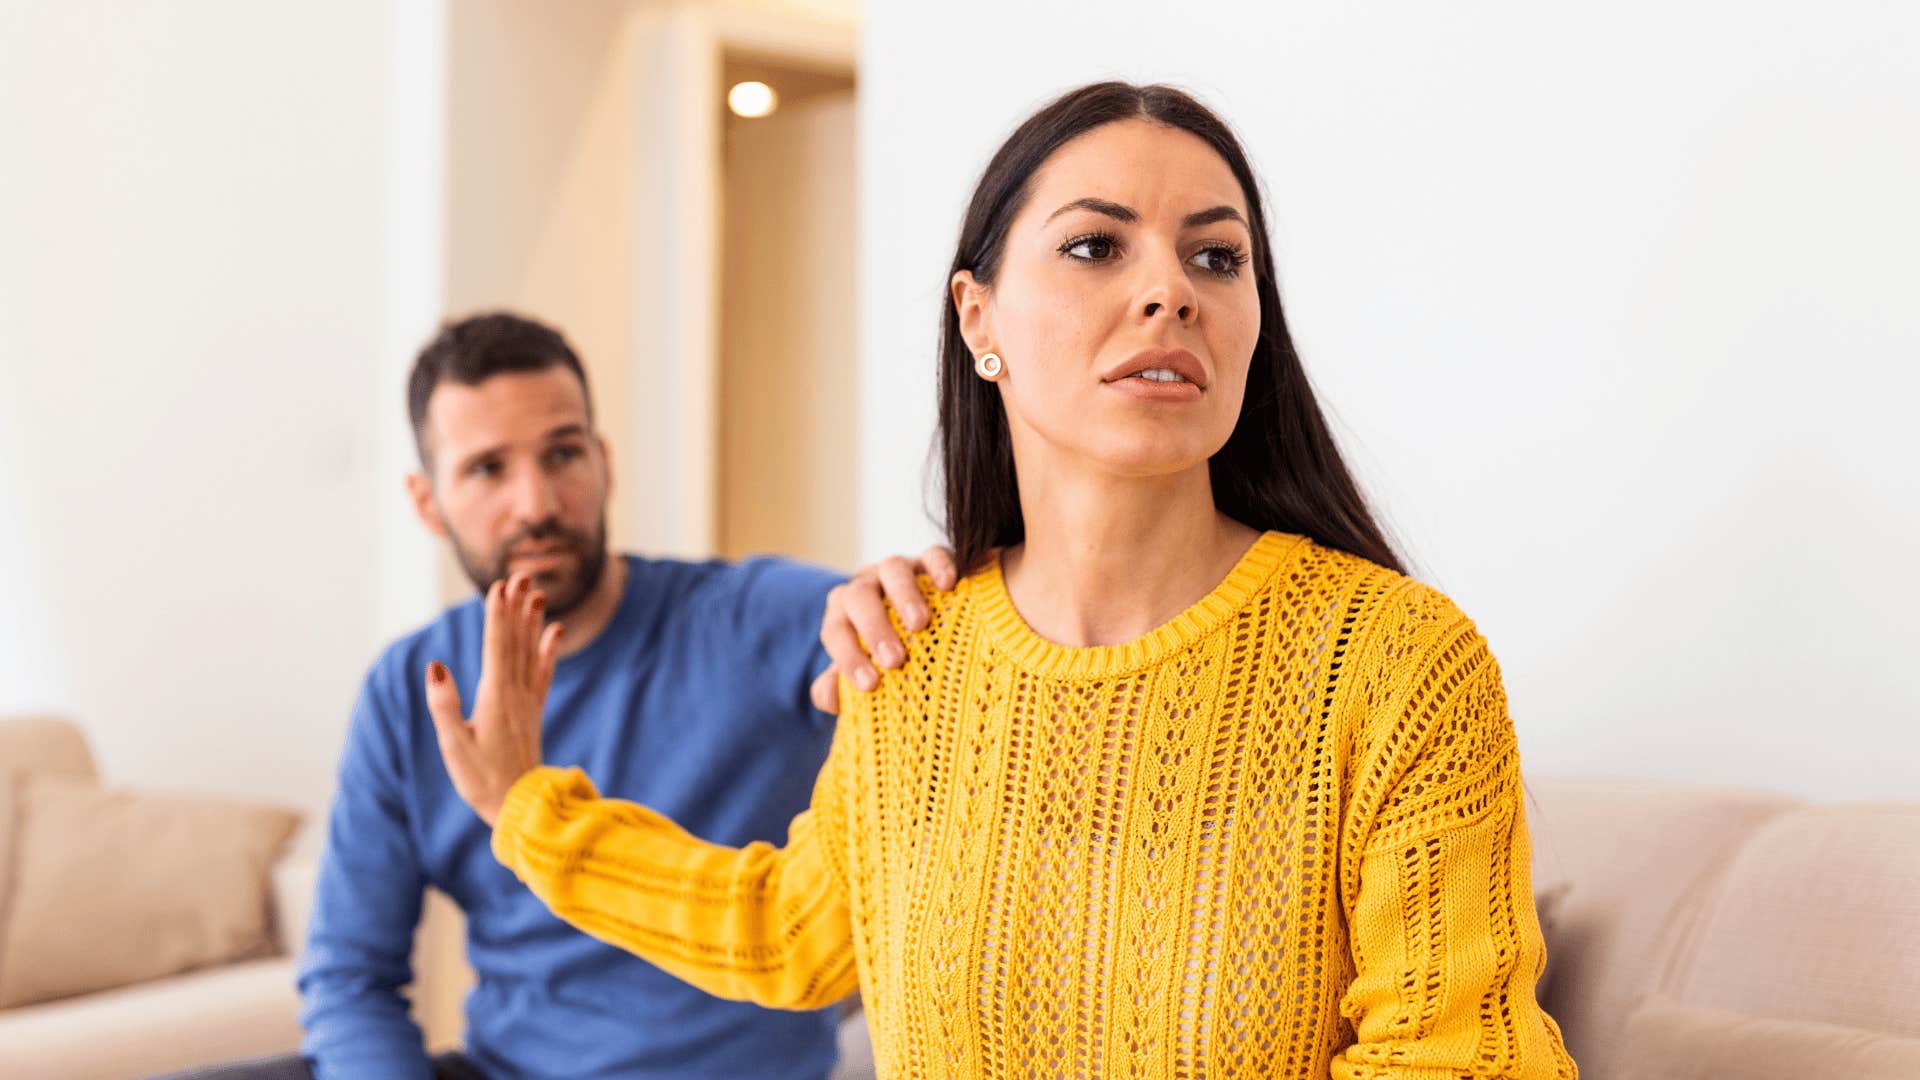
column 752, row 99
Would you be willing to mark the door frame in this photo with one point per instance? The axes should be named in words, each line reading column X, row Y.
column 677, row 55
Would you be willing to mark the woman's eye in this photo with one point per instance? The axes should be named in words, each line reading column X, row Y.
column 1090, row 248
column 1216, row 260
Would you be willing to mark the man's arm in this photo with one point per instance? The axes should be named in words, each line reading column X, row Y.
column 774, row 610
column 366, row 906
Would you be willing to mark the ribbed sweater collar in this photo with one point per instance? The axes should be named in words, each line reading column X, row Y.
column 1014, row 637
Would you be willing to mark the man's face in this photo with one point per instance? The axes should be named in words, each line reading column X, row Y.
column 518, row 482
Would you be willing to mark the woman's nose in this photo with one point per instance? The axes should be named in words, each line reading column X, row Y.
column 1169, row 291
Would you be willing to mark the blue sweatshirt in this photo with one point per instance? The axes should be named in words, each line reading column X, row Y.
column 693, row 701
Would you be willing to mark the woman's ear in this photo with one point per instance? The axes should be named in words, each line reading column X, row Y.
column 970, row 303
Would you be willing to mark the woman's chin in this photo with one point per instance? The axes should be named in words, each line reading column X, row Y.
column 1148, row 458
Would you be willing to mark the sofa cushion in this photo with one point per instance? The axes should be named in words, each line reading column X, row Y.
column 114, row 887
column 33, row 746
column 45, row 746
column 1817, row 918
column 1549, row 901
column 1669, row 1041
column 188, row 1021
column 1637, row 853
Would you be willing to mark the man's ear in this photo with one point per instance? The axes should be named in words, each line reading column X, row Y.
column 976, row 322
column 606, row 460
column 420, row 494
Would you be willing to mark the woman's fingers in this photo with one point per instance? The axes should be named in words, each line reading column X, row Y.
column 492, row 639
column 549, row 654
column 515, row 612
column 534, row 638
column 449, row 719
column 486, row 755
column 519, row 589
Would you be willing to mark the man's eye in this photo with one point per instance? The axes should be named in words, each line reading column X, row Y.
column 484, row 469
column 560, row 455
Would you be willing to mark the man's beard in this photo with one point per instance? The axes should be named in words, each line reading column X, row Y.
column 565, row 591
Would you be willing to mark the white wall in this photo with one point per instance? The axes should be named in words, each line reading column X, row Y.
column 197, row 384
column 1615, row 310
column 540, row 122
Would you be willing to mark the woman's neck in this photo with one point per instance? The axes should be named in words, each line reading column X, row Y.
column 1108, row 558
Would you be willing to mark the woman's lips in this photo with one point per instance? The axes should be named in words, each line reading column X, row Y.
column 1148, row 390
column 1178, row 361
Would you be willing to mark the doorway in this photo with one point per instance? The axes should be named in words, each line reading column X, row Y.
column 787, row 386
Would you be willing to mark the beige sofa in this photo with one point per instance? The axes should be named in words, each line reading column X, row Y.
column 236, row 1010
column 225, row 1013
column 1741, row 902
column 1746, row 926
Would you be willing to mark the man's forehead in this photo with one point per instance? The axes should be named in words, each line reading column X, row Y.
column 505, row 408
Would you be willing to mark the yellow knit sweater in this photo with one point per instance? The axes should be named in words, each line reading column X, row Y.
column 1280, row 836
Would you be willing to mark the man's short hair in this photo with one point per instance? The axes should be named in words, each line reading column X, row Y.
column 472, row 350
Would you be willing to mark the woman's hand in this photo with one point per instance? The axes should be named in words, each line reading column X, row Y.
column 856, row 623
column 501, row 743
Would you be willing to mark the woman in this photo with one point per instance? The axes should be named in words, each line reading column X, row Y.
column 1185, row 778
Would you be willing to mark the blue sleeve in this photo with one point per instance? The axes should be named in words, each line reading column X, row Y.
column 366, row 905
column 777, row 614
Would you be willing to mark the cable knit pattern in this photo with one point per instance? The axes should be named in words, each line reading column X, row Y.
column 1280, row 836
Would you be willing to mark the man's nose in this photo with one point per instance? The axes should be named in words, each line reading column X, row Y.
column 534, row 498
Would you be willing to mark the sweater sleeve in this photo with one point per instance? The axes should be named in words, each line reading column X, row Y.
column 1445, row 942
column 759, row 923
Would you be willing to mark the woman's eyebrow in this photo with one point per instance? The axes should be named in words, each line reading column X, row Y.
column 1129, row 215
column 1208, row 217
column 1099, row 206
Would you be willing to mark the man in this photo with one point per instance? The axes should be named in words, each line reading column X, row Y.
column 683, row 685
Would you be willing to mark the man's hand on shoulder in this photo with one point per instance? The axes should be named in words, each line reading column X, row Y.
column 856, row 630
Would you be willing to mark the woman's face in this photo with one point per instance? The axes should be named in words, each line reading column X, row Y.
column 1129, row 257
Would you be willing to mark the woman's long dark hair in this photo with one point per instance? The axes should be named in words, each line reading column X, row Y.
column 1279, row 469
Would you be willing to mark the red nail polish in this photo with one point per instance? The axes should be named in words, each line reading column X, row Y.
column 437, row 672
